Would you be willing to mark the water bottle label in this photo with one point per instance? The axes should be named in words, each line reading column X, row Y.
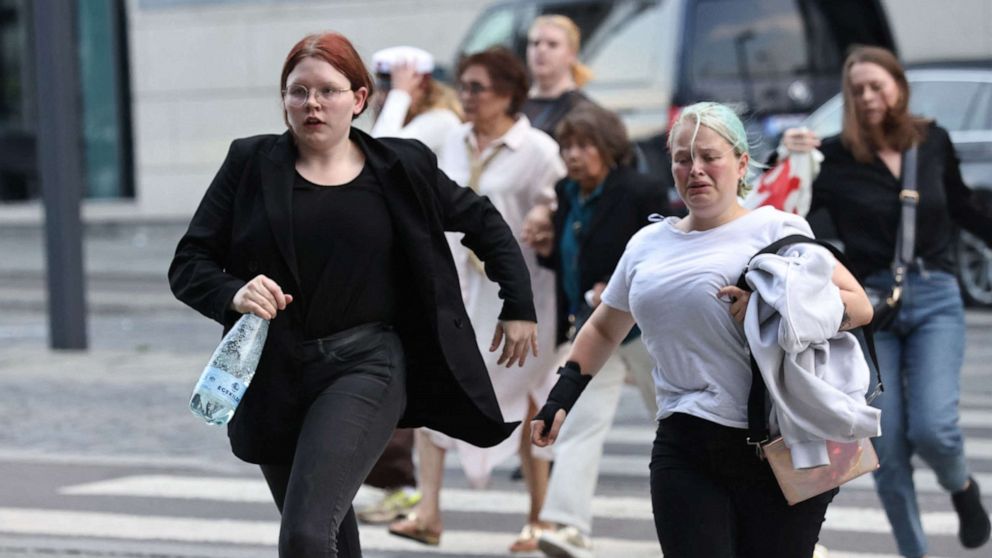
column 222, row 385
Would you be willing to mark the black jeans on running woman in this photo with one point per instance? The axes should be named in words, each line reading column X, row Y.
column 714, row 498
column 356, row 382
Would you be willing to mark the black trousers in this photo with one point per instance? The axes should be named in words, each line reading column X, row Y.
column 714, row 498
column 395, row 466
column 356, row 383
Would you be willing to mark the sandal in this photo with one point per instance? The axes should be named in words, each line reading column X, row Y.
column 527, row 540
column 412, row 528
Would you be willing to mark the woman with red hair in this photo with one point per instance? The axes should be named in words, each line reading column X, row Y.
column 338, row 239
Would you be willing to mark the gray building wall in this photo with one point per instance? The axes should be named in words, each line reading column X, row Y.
column 207, row 72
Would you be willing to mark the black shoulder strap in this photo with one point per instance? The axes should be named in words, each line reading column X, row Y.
column 757, row 417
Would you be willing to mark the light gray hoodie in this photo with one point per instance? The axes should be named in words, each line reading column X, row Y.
column 816, row 376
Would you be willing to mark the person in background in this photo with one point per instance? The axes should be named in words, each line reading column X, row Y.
column 416, row 106
column 338, row 239
column 601, row 204
column 498, row 154
column 552, row 59
column 711, row 494
column 921, row 354
column 420, row 108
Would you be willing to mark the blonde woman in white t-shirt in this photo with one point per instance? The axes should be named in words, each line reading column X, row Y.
column 711, row 495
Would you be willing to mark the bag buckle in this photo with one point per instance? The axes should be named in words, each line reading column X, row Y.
column 875, row 393
column 894, row 296
column 909, row 195
column 758, row 450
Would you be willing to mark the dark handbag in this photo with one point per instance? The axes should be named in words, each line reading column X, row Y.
column 887, row 302
column 848, row 460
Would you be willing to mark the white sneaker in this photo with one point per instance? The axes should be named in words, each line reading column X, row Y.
column 565, row 542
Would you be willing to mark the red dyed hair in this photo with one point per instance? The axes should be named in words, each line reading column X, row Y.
column 336, row 50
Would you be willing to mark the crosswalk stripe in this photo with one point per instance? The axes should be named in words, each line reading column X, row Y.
column 868, row 520
column 839, row 518
column 255, row 491
column 974, row 447
column 459, row 543
column 265, row 533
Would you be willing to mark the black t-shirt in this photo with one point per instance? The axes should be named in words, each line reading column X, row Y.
column 343, row 237
column 545, row 114
column 863, row 202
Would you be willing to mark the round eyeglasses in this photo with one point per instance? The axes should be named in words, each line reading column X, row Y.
column 298, row 95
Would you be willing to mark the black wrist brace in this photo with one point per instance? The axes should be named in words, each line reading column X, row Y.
column 563, row 395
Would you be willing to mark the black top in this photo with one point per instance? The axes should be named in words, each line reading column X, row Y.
column 244, row 227
column 863, row 203
column 344, row 245
column 545, row 114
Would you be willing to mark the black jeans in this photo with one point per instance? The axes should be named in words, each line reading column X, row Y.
column 356, row 383
column 714, row 498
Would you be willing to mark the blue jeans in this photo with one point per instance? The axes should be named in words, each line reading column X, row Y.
column 920, row 357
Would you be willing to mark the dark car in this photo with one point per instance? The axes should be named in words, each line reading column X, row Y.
column 959, row 98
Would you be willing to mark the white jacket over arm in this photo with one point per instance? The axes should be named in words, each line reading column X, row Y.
column 816, row 376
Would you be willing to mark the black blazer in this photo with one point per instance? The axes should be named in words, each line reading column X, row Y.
column 628, row 198
column 243, row 227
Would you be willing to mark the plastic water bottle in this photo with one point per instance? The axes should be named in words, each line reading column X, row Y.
column 231, row 367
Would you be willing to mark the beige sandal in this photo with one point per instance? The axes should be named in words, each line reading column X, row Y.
column 412, row 528
column 527, row 540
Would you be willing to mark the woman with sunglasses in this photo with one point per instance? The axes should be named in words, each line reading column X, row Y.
column 338, row 239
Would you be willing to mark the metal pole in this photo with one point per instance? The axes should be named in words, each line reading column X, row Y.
column 60, row 168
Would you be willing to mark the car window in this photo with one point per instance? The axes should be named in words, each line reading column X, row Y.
column 626, row 48
column 951, row 103
column 982, row 115
column 495, row 27
column 733, row 40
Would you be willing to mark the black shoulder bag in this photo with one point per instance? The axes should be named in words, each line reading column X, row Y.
column 887, row 302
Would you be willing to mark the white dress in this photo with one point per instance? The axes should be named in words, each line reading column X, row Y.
column 520, row 175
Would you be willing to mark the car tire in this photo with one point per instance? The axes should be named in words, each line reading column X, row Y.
column 974, row 270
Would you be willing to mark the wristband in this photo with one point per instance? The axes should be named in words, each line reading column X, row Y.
column 563, row 395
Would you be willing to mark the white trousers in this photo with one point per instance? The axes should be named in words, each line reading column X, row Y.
column 580, row 442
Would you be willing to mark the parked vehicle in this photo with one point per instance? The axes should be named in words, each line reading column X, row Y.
column 775, row 60
column 959, row 98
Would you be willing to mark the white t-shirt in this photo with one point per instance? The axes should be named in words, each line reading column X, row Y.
column 668, row 280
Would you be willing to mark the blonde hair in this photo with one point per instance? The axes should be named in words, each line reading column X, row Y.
column 581, row 73
column 436, row 96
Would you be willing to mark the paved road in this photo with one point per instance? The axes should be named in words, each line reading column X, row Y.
column 99, row 457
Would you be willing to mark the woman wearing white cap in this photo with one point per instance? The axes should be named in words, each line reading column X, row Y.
column 416, row 105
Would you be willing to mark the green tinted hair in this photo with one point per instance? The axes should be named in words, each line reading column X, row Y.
column 721, row 119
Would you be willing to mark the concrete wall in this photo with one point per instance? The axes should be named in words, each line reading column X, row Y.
column 204, row 73
column 928, row 30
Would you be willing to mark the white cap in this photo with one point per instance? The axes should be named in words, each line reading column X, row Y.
column 383, row 60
